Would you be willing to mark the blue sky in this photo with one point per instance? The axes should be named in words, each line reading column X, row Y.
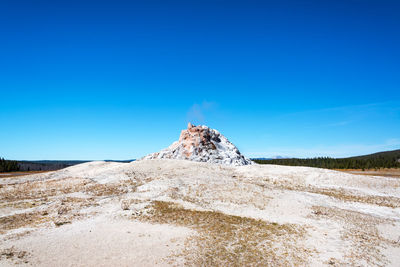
column 120, row 79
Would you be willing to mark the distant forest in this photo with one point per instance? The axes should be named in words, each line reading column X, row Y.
column 387, row 159
column 42, row 165
column 8, row 165
column 13, row 165
column 46, row 165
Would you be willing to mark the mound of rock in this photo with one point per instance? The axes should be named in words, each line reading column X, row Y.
column 203, row 144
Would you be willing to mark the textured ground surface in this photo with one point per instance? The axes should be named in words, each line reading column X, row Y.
column 174, row 212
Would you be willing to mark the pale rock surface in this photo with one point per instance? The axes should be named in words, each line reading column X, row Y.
column 348, row 220
column 202, row 144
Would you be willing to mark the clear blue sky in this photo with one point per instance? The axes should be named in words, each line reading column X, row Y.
column 120, row 79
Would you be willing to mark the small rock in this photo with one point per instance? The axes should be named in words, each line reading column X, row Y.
column 125, row 204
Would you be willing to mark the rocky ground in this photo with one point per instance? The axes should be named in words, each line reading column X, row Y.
column 202, row 144
column 177, row 212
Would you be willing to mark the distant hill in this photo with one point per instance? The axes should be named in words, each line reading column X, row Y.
column 386, row 159
column 392, row 154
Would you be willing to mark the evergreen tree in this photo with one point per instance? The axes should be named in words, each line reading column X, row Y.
column 8, row 165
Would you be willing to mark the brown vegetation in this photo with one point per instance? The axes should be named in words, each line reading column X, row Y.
column 361, row 232
column 386, row 172
column 227, row 240
column 340, row 194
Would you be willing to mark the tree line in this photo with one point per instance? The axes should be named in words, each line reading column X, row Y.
column 388, row 159
column 42, row 165
column 8, row 165
column 45, row 165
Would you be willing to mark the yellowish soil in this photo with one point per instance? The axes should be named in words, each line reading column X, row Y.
column 391, row 172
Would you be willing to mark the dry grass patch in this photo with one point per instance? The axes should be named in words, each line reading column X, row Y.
column 392, row 202
column 227, row 240
column 113, row 189
column 61, row 212
column 45, row 189
column 361, row 231
column 48, row 201
column 15, row 255
column 340, row 194
column 203, row 195
column 41, row 189
column 31, row 219
column 21, row 204
column 386, row 172
column 19, row 174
